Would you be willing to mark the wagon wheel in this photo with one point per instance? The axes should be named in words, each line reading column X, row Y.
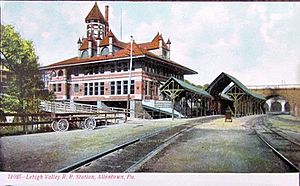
column 63, row 125
column 54, row 126
column 90, row 123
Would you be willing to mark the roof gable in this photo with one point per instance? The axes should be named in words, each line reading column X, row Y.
column 223, row 80
column 115, row 41
column 189, row 87
column 154, row 44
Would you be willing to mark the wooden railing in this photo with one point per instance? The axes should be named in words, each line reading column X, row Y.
column 65, row 107
column 25, row 123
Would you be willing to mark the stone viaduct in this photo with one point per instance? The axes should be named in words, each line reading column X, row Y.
column 287, row 95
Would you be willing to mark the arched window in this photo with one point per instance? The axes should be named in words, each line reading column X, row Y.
column 52, row 74
column 85, row 54
column 60, row 73
column 104, row 51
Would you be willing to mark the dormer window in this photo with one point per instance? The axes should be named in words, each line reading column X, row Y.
column 85, row 54
column 164, row 54
column 104, row 51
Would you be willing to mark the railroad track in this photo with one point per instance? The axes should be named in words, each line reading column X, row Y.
column 131, row 155
column 283, row 145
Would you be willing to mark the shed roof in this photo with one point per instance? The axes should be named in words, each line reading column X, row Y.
column 189, row 87
column 223, row 80
column 244, row 88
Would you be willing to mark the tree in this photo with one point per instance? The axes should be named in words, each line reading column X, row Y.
column 205, row 86
column 25, row 83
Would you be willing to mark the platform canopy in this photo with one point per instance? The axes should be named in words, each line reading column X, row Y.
column 217, row 87
column 191, row 100
column 176, row 86
column 227, row 87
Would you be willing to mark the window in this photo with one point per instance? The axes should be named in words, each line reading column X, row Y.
column 101, row 88
column 85, row 89
column 60, row 73
column 76, row 72
column 164, row 54
column 53, row 74
column 90, row 71
column 146, row 87
column 151, row 88
column 125, row 87
column 119, row 68
column 104, row 51
column 85, row 54
column 54, row 87
column 86, row 71
column 119, row 87
column 96, row 70
column 132, row 87
column 149, row 68
column 101, row 69
column 112, row 88
column 76, row 87
column 125, row 67
column 59, row 87
column 96, row 88
column 112, row 68
column 91, row 89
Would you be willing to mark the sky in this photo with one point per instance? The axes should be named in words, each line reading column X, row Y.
column 258, row 43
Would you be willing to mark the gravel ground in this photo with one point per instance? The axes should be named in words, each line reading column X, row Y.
column 217, row 147
column 48, row 152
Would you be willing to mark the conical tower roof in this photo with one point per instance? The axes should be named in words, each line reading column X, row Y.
column 95, row 14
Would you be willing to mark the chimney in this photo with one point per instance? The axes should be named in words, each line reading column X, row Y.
column 106, row 13
column 106, row 18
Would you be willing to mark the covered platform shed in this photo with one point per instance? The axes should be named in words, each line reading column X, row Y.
column 187, row 99
column 230, row 94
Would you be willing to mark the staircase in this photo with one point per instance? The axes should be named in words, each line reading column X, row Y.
column 164, row 106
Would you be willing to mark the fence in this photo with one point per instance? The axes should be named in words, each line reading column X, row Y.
column 24, row 123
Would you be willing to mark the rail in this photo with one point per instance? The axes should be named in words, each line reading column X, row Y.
column 262, row 131
column 162, row 138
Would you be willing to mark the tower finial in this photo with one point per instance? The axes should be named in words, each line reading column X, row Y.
column 79, row 41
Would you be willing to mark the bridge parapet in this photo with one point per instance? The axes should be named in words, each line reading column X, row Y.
column 282, row 86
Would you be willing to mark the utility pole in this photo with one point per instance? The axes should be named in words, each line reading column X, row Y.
column 129, row 81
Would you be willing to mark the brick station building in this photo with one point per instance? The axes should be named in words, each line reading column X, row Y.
column 99, row 74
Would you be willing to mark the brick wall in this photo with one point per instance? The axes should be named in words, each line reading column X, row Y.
column 292, row 95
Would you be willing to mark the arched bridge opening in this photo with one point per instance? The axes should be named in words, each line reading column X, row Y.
column 280, row 97
column 277, row 104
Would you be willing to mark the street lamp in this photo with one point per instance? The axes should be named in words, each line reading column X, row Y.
column 129, row 80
